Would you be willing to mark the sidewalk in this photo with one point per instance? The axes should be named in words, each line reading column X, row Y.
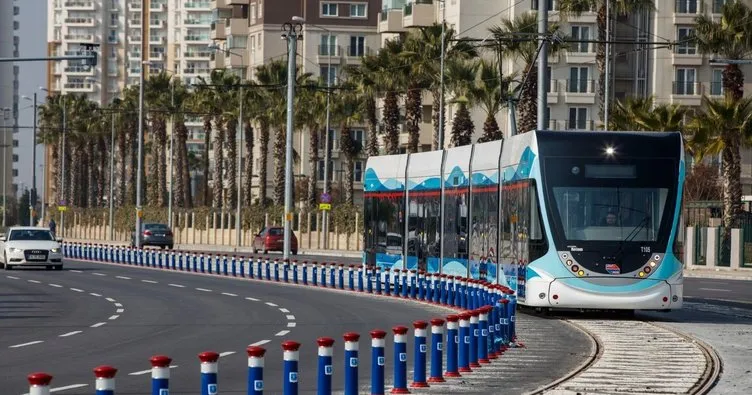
column 725, row 273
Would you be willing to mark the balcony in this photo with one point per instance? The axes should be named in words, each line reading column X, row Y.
column 134, row 39
column 218, row 58
column 198, row 6
column 134, row 23
column 687, row 93
column 553, row 92
column 158, row 7
column 157, row 40
column 196, row 55
column 86, row 22
column 79, row 86
column 134, row 71
column 390, row 21
column 217, row 30
column 580, row 91
column 196, row 38
column 79, row 70
column 358, row 51
column 686, row 54
column 236, row 27
column 80, row 38
column 327, row 52
column 134, row 6
column 134, row 55
column 79, row 5
column 195, row 71
column 237, row 2
column 158, row 24
column 234, row 61
column 157, row 56
column 580, row 53
column 418, row 13
column 197, row 22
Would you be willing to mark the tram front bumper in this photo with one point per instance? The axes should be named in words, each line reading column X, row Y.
column 569, row 293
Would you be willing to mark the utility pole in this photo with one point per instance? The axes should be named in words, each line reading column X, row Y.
column 32, row 194
column 292, row 31
column 137, row 233
column 112, row 176
column 62, row 170
column 607, row 78
column 441, row 100
column 543, row 78
column 172, row 145
column 5, row 177
column 239, row 167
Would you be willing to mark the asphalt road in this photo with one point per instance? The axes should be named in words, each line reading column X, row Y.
column 736, row 293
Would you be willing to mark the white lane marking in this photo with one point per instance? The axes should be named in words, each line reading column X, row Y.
column 284, row 310
column 714, row 289
column 282, row 333
column 110, row 300
column 75, row 271
column 176, row 285
column 98, row 324
column 123, row 277
column 291, row 325
column 113, row 317
column 252, row 299
column 291, row 317
column 13, row 278
column 99, row 274
column 120, row 311
column 142, row 372
column 94, row 294
column 56, row 285
column 71, row 333
column 118, row 305
column 65, row 387
column 77, row 290
column 226, row 353
column 149, row 281
column 34, row 281
column 26, row 344
column 259, row 343
column 228, row 294
column 271, row 304
column 203, row 289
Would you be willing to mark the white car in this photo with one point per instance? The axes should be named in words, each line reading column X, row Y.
column 30, row 246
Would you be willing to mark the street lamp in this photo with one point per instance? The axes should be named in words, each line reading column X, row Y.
column 324, row 214
column 292, row 33
column 441, row 99
column 239, row 139
column 32, row 194
column 5, row 177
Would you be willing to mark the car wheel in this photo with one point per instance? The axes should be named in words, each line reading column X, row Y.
column 171, row 247
column 59, row 267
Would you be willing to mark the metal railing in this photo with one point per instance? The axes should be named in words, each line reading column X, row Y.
column 326, row 50
column 580, row 85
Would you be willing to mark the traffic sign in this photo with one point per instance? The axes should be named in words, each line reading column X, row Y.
column 62, row 208
column 325, row 198
column 325, row 206
column 61, row 203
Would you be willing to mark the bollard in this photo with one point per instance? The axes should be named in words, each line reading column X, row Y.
column 404, row 278
column 464, row 346
column 39, row 383
column 255, row 370
column 322, row 274
column 268, row 265
column 483, row 339
column 350, row 278
column 233, row 265
column 324, row 382
column 314, row 273
column 400, row 362
column 241, row 266
column 286, row 270
column 275, row 268
column 290, row 358
column 361, row 273
column 341, row 276
column 305, row 272
column 209, row 369
column 377, row 361
column 105, row 380
column 396, row 282
column 437, row 348
column 421, row 285
column 351, row 363
column 442, row 296
column 420, row 349
column 160, row 374
column 413, row 281
column 453, row 343
column 294, row 272
column 332, row 275
column 377, row 277
column 474, row 339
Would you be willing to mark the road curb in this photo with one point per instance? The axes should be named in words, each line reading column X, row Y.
column 717, row 275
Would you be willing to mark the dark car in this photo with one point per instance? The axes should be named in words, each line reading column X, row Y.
column 273, row 239
column 157, row 235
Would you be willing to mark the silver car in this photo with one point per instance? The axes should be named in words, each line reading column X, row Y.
column 30, row 246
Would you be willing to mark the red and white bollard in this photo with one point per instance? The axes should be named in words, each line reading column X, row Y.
column 39, row 383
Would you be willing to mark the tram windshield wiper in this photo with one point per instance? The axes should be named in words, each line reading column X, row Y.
column 635, row 231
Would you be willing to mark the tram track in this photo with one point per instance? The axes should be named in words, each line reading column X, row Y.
column 638, row 357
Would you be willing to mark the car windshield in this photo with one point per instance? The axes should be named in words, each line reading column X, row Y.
column 30, row 234
column 276, row 231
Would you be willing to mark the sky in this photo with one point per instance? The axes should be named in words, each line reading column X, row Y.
column 33, row 43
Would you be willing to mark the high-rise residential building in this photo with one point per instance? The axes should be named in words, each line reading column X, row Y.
column 336, row 34
column 9, row 98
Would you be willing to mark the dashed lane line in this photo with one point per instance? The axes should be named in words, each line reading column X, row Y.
column 149, row 281
column 71, row 333
column 77, row 290
column 75, row 271
column 291, row 325
column 119, row 311
column 271, row 304
column 251, row 299
column 98, row 324
column 228, row 294
column 226, row 353
column 13, row 277
column 34, row 281
column 95, row 294
column 176, row 285
column 123, row 277
column 282, row 333
column 203, row 290
column 110, row 300
column 259, row 343
column 55, row 285
column 143, row 372
column 284, row 310
column 290, row 317
column 113, row 317
column 26, row 344
column 99, row 274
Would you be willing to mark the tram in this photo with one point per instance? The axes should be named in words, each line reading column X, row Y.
column 566, row 219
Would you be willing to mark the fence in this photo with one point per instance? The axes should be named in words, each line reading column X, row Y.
column 485, row 323
column 705, row 215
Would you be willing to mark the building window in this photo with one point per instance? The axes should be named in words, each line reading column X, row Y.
column 716, row 85
column 330, row 71
column 15, row 143
column 357, row 46
column 358, row 10
column 329, row 9
column 578, row 80
column 237, row 41
column 114, row 18
column 112, row 38
column 260, row 9
column 686, row 6
column 552, row 5
column 320, row 175
column 15, row 157
column 718, row 6
column 684, row 82
column 577, row 118
column 328, row 45
column 685, row 45
column 580, row 33
column 253, row 14
column 15, row 174
column 358, row 171
column 357, row 137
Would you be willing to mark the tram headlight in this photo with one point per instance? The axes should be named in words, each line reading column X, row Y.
column 581, row 273
column 652, row 263
column 569, row 262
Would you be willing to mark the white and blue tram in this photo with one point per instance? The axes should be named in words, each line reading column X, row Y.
column 569, row 219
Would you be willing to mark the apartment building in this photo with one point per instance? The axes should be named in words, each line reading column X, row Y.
column 9, row 99
column 336, row 34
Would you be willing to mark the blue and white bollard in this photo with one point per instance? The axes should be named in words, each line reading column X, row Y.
column 341, row 275
column 378, row 342
column 224, row 265
column 442, row 296
column 286, row 270
column 483, row 339
column 234, row 266
column 104, row 383
column 362, row 273
column 209, row 370
column 255, row 370
column 437, row 350
column 275, row 268
column 422, row 289
column 420, row 351
column 413, row 281
column 290, row 360
column 351, row 278
column 404, row 278
column 305, row 272
column 377, row 275
column 351, row 363
column 160, row 374
column 326, row 370
column 453, row 344
column 464, row 349
column 396, row 282
column 332, row 275
column 294, row 268
column 400, row 362
column 474, row 339
column 39, row 383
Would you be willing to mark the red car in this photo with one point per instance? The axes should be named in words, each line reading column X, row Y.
column 273, row 239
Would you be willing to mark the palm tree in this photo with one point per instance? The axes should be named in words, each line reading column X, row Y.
column 491, row 93
column 51, row 123
column 618, row 7
column 182, row 176
column 729, row 37
column 312, row 113
column 461, row 75
column 364, row 78
column 642, row 114
column 723, row 126
column 157, row 97
column 389, row 82
column 347, row 111
column 270, row 74
column 525, row 50
column 232, row 120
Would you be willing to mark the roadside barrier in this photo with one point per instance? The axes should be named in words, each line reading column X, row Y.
column 481, row 331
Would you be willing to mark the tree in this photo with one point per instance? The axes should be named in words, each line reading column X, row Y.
column 312, row 114
column 203, row 102
column 723, row 126
column 347, row 112
column 389, row 82
column 491, row 93
column 157, row 95
column 729, row 37
column 618, row 7
column 641, row 114
column 462, row 77
column 364, row 78
column 50, row 132
column 274, row 76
